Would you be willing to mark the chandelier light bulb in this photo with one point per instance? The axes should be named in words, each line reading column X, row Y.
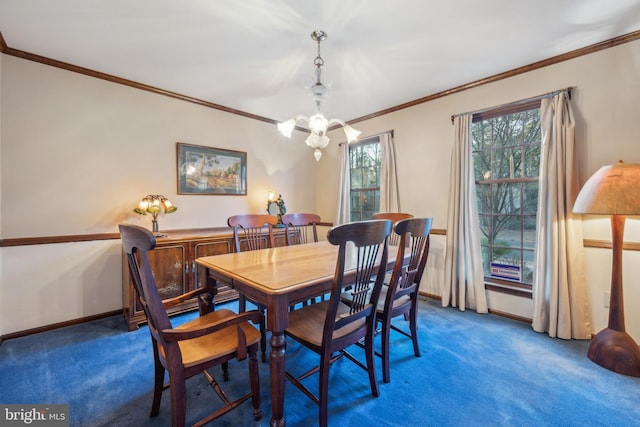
column 318, row 123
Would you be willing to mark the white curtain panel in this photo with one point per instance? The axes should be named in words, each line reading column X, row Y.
column 389, row 194
column 560, row 304
column 344, row 202
column 464, row 279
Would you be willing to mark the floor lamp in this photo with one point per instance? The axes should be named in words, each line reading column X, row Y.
column 614, row 190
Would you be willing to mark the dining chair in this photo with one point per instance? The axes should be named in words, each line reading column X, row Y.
column 300, row 228
column 249, row 235
column 329, row 327
column 213, row 339
column 394, row 239
column 400, row 297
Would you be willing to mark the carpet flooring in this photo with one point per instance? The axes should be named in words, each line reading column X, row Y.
column 475, row 370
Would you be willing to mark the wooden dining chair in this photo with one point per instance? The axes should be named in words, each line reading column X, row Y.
column 249, row 235
column 213, row 339
column 330, row 327
column 394, row 239
column 400, row 297
column 300, row 228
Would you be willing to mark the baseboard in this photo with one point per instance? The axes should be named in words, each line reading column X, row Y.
column 53, row 326
column 425, row 295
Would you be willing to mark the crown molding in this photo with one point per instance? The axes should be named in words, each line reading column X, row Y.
column 616, row 41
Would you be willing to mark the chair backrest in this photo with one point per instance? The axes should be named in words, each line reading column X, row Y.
column 405, row 278
column 300, row 228
column 366, row 242
column 249, row 229
column 137, row 242
column 394, row 239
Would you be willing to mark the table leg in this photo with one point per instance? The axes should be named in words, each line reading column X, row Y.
column 277, row 378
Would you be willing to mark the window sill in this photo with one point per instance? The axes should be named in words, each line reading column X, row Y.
column 504, row 287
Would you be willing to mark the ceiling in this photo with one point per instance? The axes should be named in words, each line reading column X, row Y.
column 257, row 56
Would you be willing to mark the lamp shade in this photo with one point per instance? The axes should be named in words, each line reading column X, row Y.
column 612, row 190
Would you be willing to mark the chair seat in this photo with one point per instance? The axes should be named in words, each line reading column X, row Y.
column 405, row 299
column 214, row 345
column 308, row 322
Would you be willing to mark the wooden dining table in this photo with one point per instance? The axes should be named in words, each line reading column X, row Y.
column 277, row 278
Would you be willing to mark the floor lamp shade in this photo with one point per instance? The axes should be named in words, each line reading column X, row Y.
column 614, row 190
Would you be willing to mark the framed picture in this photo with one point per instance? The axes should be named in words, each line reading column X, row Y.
column 207, row 170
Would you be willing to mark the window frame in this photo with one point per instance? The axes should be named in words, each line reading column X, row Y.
column 353, row 146
column 513, row 287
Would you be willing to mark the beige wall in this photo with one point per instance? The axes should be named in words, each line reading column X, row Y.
column 606, row 102
column 77, row 154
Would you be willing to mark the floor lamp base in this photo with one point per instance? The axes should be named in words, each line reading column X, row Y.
column 616, row 351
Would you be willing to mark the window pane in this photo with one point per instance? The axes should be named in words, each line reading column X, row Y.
column 506, row 198
column 507, row 231
column 355, row 201
column 483, row 198
column 529, row 232
column 530, row 204
column 510, row 260
column 527, row 267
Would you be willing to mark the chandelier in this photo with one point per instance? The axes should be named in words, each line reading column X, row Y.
column 318, row 124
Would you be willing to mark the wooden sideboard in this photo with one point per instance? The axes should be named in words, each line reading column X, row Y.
column 174, row 267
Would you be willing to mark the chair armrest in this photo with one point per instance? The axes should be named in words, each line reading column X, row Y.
column 173, row 335
column 205, row 300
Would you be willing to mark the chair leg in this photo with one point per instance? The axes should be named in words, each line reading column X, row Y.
column 413, row 326
column 158, row 382
column 263, row 337
column 386, row 332
column 323, row 395
column 242, row 307
column 178, row 400
column 225, row 371
column 254, row 378
column 242, row 303
column 370, row 356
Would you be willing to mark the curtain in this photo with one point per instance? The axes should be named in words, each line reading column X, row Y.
column 343, row 215
column 389, row 195
column 464, row 278
column 560, row 305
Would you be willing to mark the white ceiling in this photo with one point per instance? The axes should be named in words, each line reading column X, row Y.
column 257, row 56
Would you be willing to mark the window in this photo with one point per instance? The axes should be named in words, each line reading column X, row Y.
column 506, row 154
column 364, row 169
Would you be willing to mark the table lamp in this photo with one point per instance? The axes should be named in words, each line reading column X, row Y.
column 154, row 204
column 614, row 190
column 275, row 206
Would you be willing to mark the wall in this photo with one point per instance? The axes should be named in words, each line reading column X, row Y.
column 606, row 102
column 78, row 154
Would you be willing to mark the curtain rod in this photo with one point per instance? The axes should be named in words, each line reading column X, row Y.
column 371, row 136
column 522, row 101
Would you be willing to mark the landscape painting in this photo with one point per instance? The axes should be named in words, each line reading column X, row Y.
column 207, row 170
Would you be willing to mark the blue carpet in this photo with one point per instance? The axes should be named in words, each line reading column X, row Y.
column 475, row 370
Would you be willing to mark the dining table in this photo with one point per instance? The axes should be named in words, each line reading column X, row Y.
column 277, row 278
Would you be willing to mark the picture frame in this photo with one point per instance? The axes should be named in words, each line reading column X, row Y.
column 211, row 171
